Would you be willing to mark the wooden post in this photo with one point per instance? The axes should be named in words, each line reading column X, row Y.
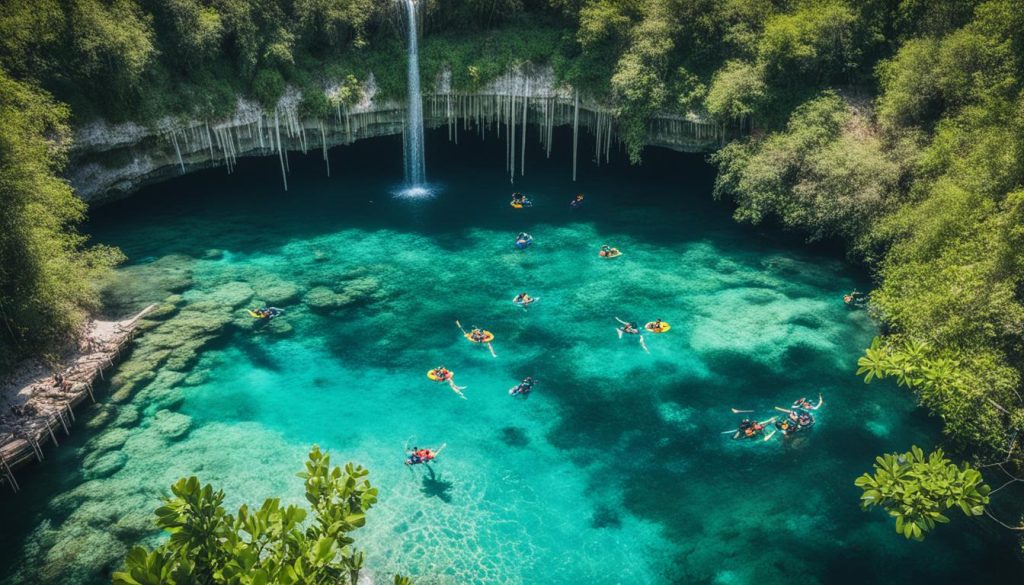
column 88, row 387
column 52, row 436
column 9, row 473
column 35, row 446
column 71, row 411
column 63, row 422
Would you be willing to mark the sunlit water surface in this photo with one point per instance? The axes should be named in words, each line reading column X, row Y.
column 615, row 470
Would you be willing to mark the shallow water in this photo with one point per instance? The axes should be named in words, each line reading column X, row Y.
column 613, row 471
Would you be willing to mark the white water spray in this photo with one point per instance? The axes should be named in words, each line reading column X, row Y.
column 415, row 165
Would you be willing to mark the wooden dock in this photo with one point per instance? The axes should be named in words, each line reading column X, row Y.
column 34, row 413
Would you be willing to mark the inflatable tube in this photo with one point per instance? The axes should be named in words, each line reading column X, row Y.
column 516, row 205
column 614, row 253
column 488, row 337
column 254, row 315
column 524, row 303
column 433, row 376
column 523, row 244
column 664, row 327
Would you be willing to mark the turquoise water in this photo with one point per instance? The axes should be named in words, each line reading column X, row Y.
column 613, row 471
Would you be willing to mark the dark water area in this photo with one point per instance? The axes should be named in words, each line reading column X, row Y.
column 614, row 470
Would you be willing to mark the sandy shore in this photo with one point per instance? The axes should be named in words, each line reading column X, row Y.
column 34, row 403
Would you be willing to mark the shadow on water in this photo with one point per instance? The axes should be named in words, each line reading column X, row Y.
column 436, row 487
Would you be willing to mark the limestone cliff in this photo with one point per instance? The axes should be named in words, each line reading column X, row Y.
column 112, row 160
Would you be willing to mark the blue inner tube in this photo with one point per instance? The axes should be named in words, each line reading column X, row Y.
column 522, row 244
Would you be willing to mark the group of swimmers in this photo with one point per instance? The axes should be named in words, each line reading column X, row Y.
column 520, row 201
column 798, row 419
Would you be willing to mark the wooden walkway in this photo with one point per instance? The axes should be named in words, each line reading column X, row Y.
column 36, row 412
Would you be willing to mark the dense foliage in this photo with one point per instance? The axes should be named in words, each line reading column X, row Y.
column 926, row 188
column 273, row 544
column 916, row 490
column 45, row 270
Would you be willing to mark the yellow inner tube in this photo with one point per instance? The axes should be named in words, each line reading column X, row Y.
column 516, row 205
column 255, row 315
column 432, row 374
column 664, row 327
column 488, row 337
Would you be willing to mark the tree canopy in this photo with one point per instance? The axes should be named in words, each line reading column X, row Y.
column 272, row 544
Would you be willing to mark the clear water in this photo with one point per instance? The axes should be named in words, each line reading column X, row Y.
column 613, row 471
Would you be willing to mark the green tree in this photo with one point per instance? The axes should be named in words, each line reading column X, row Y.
column 737, row 91
column 827, row 173
column 45, row 268
column 112, row 45
column 916, row 490
column 273, row 544
column 333, row 23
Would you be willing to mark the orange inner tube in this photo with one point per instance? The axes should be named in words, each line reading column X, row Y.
column 488, row 337
column 432, row 374
column 654, row 329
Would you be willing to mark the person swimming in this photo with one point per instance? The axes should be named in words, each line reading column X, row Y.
column 267, row 313
column 443, row 374
column 803, row 403
column 523, row 240
column 748, row 429
column 656, row 325
column 521, row 200
column 577, row 202
column 418, row 456
column 523, row 387
column 523, row 300
column 630, row 328
column 855, row 298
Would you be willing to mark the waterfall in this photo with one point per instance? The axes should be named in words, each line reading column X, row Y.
column 415, row 166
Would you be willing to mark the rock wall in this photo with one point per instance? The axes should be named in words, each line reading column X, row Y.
column 109, row 161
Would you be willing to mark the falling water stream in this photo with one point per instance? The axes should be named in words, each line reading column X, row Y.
column 415, row 166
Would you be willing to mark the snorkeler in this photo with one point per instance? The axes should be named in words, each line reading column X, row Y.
column 418, row 456
column 657, row 326
column 855, row 298
column 748, row 429
column 520, row 200
column 477, row 335
column 805, row 404
column 523, row 387
column 609, row 252
column 267, row 313
column 523, row 300
column 631, row 329
column 577, row 202
column 443, row 374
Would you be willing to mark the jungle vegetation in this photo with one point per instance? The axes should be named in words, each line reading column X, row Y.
column 269, row 544
column 893, row 126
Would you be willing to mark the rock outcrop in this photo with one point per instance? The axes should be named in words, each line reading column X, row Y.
column 109, row 161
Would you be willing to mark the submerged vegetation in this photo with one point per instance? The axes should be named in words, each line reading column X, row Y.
column 896, row 127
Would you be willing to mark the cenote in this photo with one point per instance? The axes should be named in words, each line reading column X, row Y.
column 614, row 470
